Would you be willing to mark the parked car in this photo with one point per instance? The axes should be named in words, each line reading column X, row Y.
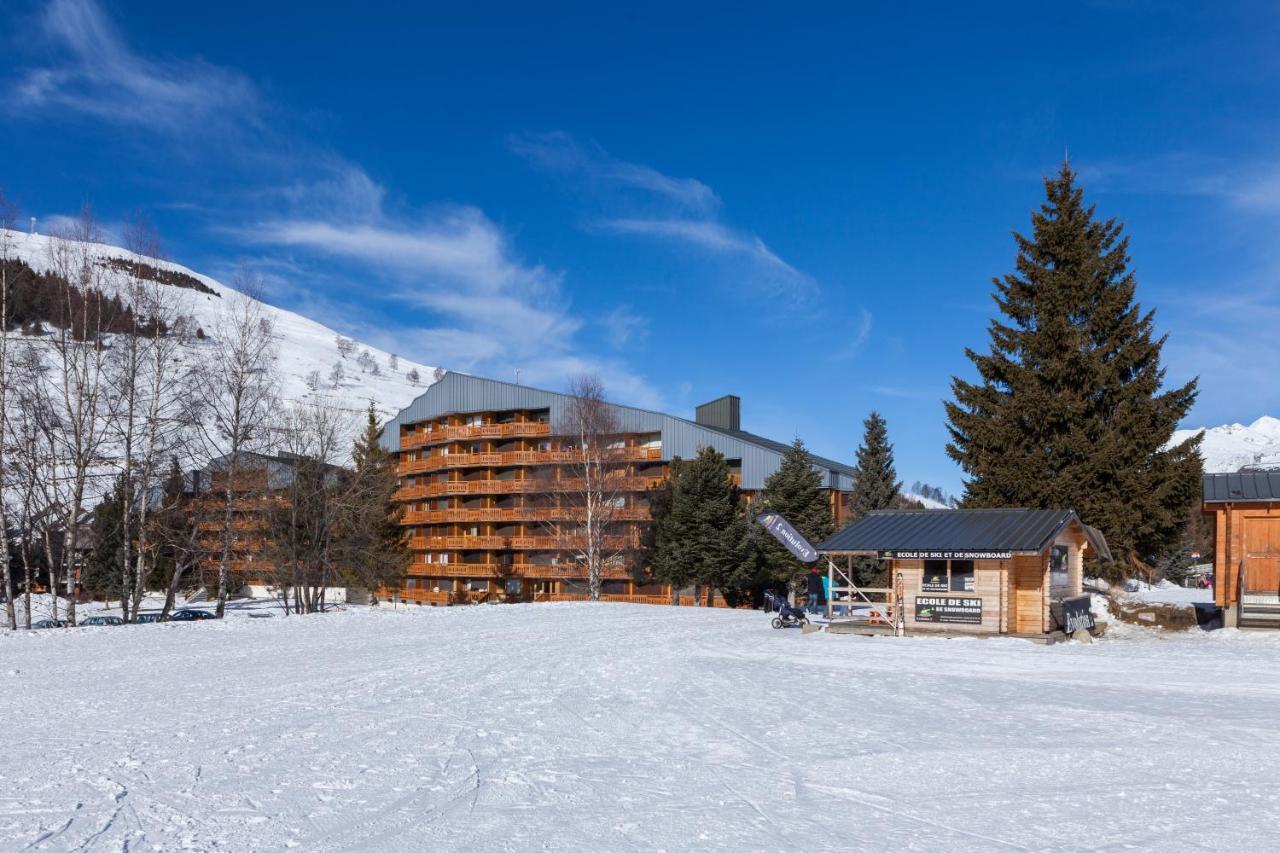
column 146, row 618
column 41, row 624
column 190, row 616
column 102, row 620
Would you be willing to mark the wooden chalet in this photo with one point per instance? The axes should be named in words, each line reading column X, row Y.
column 973, row 571
column 1246, row 561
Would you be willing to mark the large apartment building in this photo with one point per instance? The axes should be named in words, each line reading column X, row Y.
column 474, row 457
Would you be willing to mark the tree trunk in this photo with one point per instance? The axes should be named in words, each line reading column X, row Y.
column 228, row 532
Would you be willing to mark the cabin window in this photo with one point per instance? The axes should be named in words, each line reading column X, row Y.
column 962, row 575
column 1058, row 566
column 947, row 576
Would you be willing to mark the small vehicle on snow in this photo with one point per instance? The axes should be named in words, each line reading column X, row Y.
column 102, row 620
column 41, row 624
column 190, row 616
column 787, row 616
column 146, row 618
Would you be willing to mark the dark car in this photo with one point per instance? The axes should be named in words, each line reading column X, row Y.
column 102, row 620
column 146, row 618
column 190, row 616
column 41, row 624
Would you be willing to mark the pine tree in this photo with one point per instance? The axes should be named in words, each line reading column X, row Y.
column 1070, row 410
column 101, row 572
column 794, row 491
column 704, row 504
column 372, row 547
column 655, row 558
column 875, row 483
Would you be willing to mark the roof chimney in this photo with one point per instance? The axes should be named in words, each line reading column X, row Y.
column 722, row 413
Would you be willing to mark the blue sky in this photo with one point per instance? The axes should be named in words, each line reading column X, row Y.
column 801, row 206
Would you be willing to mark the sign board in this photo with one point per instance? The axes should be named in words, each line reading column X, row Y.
column 934, row 581
column 948, row 609
column 782, row 530
column 945, row 555
column 1077, row 614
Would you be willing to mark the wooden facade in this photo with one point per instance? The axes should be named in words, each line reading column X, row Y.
column 985, row 588
column 1246, row 563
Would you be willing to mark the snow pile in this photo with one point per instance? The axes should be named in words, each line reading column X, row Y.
column 1226, row 449
column 304, row 345
column 616, row 727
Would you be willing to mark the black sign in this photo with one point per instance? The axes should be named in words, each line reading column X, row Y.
column 788, row 536
column 949, row 609
column 945, row 555
column 932, row 581
column 1077, row 614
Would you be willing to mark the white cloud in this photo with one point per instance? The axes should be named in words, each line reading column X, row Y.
column 709, row 235
column 494, row 312
column 678, row 210
column 560, row 152
column 97, row 74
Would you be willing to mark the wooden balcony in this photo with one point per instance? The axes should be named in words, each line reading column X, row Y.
column 516, row 457
column 529, row 515
column 569, row 543
column 517, row 429
column 532, row 571
column 457, row 543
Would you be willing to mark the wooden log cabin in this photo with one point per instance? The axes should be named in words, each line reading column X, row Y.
column 977, row 571
column 1245, row 508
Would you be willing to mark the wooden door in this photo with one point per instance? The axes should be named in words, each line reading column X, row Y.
column 1262, row 555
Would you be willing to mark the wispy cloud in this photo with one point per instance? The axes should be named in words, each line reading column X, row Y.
column 94, row 72
column 561, row 152
column 491, row 309
column 858, row 336
column 647, row 203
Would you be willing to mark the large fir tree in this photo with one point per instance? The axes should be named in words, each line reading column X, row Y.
column 704, row 503
column 875, row 483
column 372, row 544
column 795, row 491
column 1070, row 410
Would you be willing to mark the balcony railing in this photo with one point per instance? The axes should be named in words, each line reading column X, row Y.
column 517, row 429
column 515, row 515
column 517, row 457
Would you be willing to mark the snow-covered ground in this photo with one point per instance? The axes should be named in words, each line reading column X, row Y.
column 629, row 727
column 1165, row 592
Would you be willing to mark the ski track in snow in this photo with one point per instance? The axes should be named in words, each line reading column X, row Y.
column 629, row 727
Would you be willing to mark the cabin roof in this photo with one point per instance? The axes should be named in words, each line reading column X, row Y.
column 1025, row 530
column 1242, row 486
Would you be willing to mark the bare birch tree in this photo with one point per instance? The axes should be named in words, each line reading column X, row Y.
column 155, row 404
column 79, row 357
column 239, row 385
column 7, row 216
column 586, row 491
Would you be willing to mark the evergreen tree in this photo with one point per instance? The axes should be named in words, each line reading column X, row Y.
column 655, row 558
column 1070, row 410
column 100, row 575
column 704, row 504
column 372, row 548
column 875, row 483
column 795, row 492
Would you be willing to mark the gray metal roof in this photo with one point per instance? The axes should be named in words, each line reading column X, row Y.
column 1027, row 530
column 458, row 393
column 1244, row 486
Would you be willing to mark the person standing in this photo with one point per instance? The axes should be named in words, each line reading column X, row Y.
column 814, row 582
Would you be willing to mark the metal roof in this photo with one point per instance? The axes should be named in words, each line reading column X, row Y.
column 1244, row 486
column 1027, row 530
column 459, row 393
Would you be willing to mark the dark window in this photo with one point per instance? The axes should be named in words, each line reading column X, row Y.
column 935, row 576
column 962, row 575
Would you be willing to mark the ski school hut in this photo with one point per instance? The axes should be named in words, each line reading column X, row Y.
column 978, row 571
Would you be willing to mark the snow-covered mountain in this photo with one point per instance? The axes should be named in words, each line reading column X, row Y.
column 304, row 345
column 1230, row 447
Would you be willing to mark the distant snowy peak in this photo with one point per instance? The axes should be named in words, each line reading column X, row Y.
column 1230, row 447
column 306, row 348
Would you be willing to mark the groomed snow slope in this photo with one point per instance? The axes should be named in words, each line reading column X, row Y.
column 614, row 727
